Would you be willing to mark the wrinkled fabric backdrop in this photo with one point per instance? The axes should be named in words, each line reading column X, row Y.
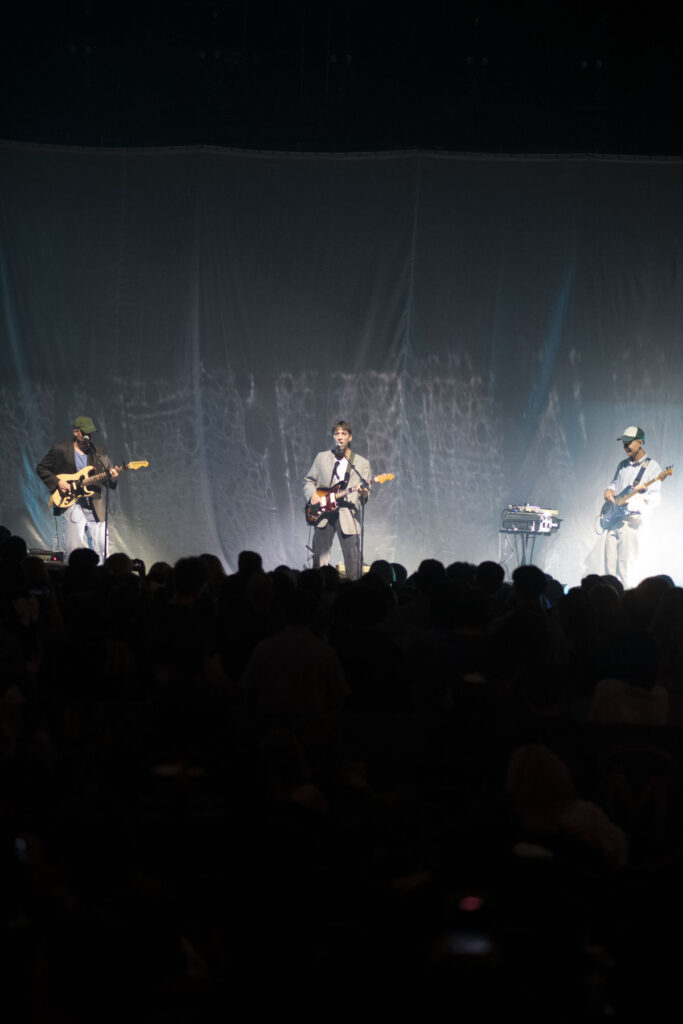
column 489, row 325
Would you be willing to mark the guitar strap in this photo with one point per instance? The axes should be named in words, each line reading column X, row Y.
column 639, row 477
column 347, row 474
column 637, row 480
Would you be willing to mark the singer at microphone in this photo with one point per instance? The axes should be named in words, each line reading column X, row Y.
column 339, row 469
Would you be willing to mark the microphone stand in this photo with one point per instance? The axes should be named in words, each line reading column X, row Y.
column 363, row 499
column 103, row 469
column 106, row 521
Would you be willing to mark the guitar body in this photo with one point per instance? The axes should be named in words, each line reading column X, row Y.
column 611, row 514
column 328, row 503
column 78, row 488
column 614, row 512
column 79, row 483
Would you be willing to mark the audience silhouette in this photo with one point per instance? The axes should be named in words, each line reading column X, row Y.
column 211, row 782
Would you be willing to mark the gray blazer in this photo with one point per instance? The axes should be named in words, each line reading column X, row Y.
column 320, row 475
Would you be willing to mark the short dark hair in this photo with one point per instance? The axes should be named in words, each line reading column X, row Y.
column 529, row 581
column 189, row 576
column 344, row 424
column 249, row 562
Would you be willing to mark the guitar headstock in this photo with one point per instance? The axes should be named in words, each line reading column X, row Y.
column 666, row 472
column 141, row 464
column 384, row 477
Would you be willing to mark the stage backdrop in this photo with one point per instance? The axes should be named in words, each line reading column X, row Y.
column 489, row 325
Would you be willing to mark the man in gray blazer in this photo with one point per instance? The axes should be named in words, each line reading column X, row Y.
column 84, row 520
column 338, row 465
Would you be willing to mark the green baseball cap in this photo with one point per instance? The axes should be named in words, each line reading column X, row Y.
column 632, row 434
column 85, row 425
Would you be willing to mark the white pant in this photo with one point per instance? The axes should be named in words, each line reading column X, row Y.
column 81, row 530
column 621, row 550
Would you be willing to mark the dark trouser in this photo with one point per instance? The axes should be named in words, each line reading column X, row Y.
column 323, row 536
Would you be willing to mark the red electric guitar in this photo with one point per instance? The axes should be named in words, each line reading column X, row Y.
column 330, row 498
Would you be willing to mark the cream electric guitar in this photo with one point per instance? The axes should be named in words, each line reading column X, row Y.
column 80, row 483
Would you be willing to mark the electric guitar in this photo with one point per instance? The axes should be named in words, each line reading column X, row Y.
column 81, row 482
column 330, row 497
column 614, row 511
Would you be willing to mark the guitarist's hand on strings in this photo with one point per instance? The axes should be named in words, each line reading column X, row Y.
column 64, row 487
column 314, row 498
column 113, row 472
column 609, row 495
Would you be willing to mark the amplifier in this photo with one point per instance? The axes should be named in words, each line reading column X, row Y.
column 45, row 555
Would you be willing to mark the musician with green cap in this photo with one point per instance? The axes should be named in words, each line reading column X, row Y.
column 84, row 518
column 629, row 499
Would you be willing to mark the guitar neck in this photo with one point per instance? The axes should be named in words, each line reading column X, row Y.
column 101, row 476
column 636, row 490
column 95, row 477
column 349, row 490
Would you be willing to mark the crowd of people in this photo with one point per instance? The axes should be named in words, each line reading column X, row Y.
column 209, row 780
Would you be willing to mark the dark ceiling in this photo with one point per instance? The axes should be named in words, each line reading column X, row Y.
column 479, row 75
